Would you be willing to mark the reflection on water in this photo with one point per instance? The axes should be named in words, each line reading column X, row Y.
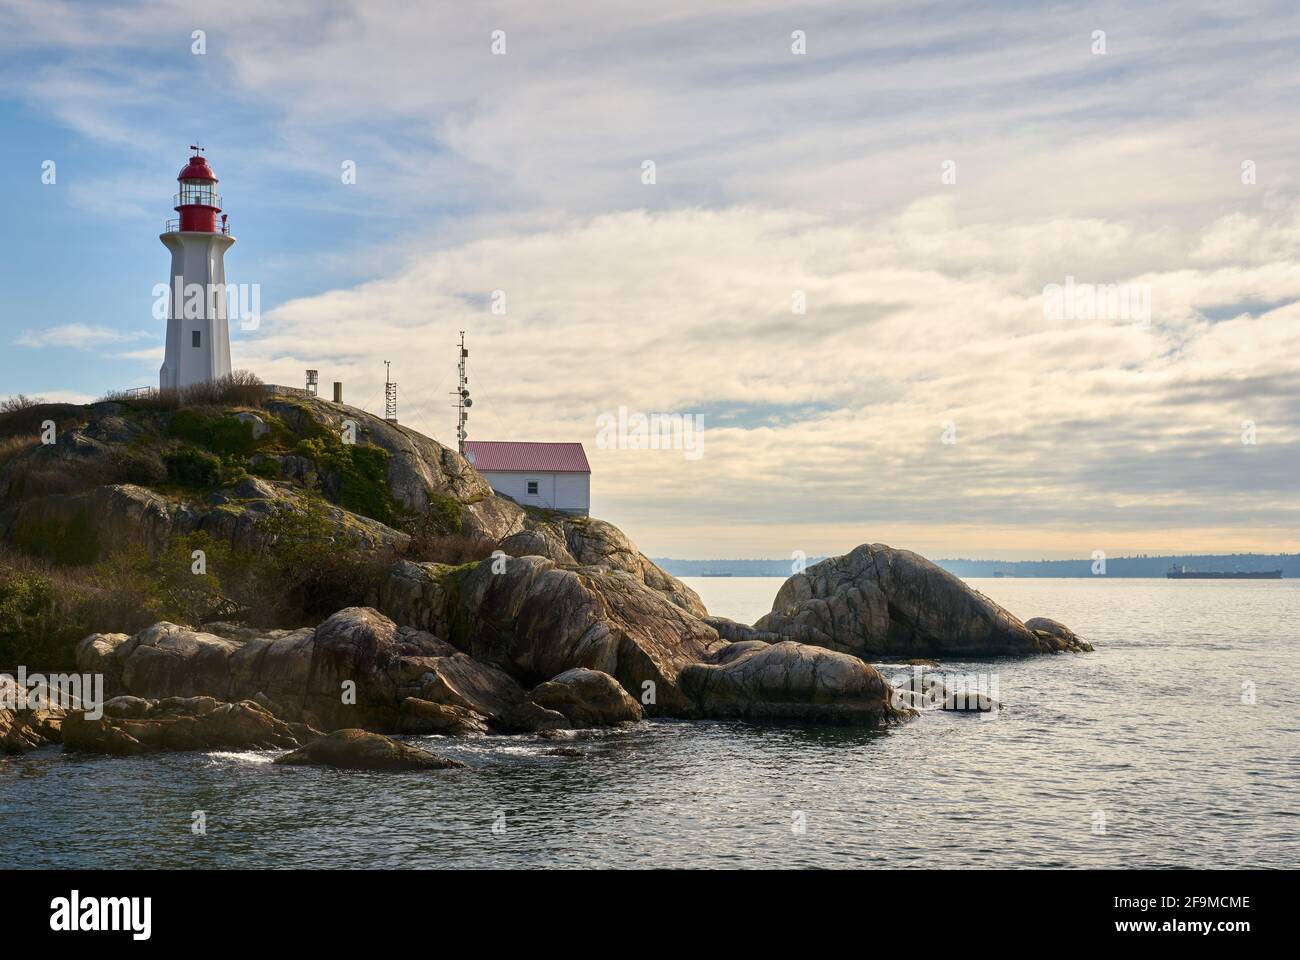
column 1150, row 732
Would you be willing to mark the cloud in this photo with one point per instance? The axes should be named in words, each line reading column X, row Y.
column 777, row 176
column 80, row 336
column 1059, row 424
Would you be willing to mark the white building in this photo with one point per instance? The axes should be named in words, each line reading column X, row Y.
column 551, row 475
column 198, row 329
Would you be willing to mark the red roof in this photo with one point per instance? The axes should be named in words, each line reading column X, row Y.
column 197, row 169
column 519, row 457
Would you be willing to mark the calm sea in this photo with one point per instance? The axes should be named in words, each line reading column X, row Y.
column 1175, row 744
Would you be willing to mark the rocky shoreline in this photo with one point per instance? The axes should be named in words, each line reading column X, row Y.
column 566, row 626
column 615, row 651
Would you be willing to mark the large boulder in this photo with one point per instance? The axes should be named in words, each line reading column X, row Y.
column 582, row 541
column 878, row 602
column 1058, row 635
column 360, row 750
column 588, row 698
column 536, row 620
column 463, row 683
column 791, row 681
column 165, row 660
column 599, row 544
column 96, row 654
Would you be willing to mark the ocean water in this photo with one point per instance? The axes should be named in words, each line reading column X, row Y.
column 1174, row 744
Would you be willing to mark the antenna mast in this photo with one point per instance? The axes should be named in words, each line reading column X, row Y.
column 390, row 393
column 463, row 402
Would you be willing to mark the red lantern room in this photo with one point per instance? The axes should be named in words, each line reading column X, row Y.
column 198, row 202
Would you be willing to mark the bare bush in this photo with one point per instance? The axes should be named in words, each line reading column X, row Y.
column 240, row 388
column 19, row 402
column 453, row 548
column 12, row 446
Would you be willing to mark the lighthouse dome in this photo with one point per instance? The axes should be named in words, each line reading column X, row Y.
column 197, row 169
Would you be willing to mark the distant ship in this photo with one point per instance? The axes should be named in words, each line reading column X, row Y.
column 1182, row 573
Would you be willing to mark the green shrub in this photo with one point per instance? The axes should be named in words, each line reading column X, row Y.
column 190, row 467
column 443, row 515
column 138, row 589
column 65, row 542
column 309, row 571
column 225, row 435
column 43, row 613
column 359, row 471
column 267, row 469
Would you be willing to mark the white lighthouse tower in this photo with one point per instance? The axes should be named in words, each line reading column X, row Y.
column 198, row 330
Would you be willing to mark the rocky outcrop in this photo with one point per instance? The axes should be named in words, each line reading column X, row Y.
column 90, row 491
column 356, row 669
column 932, row 691
column 422, row 716
column 877, row 602
column 111, row 516
column 132, row 725
column 24, row 728
column 790, row 681
column 421, row 473
column 582, row 541
column 360, row 750
column 588, row 698
column 536, row 619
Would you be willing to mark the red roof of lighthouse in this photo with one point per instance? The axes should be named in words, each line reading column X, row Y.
column 197, row 169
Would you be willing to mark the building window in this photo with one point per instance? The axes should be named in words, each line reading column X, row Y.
column 532, row 488
column 194, row 338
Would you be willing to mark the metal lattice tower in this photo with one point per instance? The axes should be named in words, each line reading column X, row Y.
column 390, row 393
column 463, row 402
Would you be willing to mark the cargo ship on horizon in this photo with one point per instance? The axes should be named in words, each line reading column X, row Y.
column 1177, row 572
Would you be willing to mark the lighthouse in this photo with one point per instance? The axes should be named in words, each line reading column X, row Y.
column 198, row 330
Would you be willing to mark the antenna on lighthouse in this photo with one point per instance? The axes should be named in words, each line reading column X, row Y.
column 463, row 402
column 390, row 393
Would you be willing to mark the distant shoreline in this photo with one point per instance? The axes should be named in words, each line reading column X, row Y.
column 1151, row 567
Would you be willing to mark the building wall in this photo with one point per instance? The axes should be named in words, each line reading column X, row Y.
column 570, row 492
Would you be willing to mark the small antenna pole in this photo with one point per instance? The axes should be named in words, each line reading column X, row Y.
column 463, row 402
column 390, row 393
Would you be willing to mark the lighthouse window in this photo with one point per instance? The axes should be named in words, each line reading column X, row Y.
column 197, row 192
column 532, row 488
column 194, row 338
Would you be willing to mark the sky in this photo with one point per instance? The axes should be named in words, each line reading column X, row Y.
column 832, row 234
